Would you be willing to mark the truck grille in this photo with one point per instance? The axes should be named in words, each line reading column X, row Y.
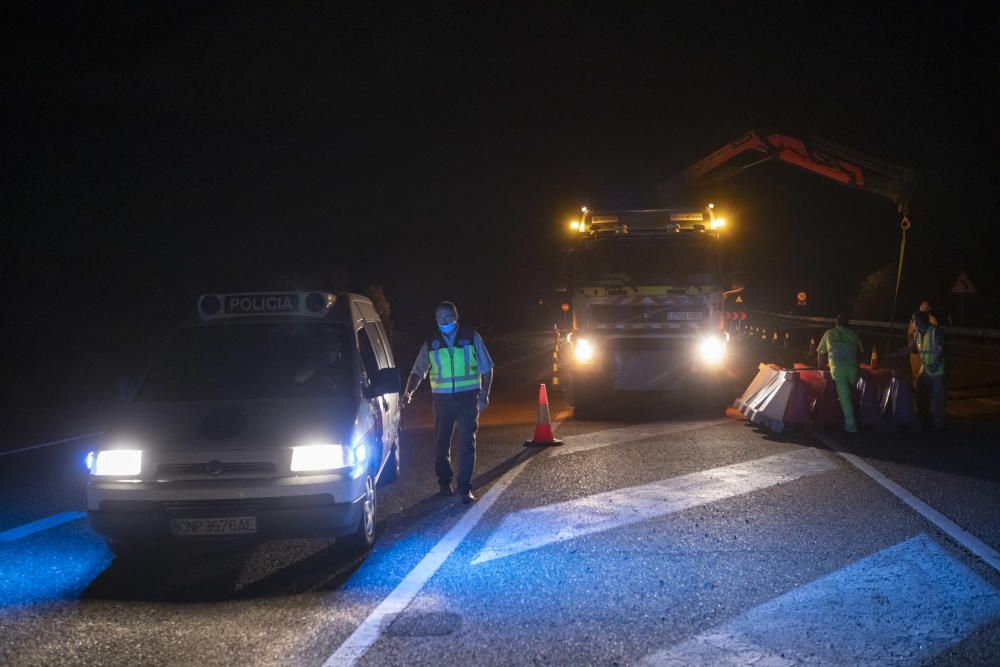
column 640, row 314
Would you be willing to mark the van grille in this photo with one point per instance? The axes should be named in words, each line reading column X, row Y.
column 216, row 468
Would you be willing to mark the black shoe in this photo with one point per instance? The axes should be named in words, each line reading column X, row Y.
column 445, row 489
column 466, row 497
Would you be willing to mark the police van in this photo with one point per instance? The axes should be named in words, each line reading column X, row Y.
column 266, row 415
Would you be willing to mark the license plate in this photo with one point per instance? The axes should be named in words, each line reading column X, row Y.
column 685, row 315
column 240, row 525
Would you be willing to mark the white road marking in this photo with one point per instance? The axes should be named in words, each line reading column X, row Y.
column 49, row 444
column 900, row 606
column 588, row 441
column 38, row 526
column 541, row 526
column 382, row 616
column 946, row 525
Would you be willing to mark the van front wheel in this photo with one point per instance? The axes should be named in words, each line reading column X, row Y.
column 362, row 539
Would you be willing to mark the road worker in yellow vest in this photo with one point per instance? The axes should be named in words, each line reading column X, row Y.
column 461, row 373
column 928, row 344
column 925, row 307
column 840, row 347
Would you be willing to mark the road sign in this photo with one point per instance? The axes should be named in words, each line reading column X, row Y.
column 732, row 315
column 800, row 299
column 739, row 298
column 963, row 285
column 565, row 307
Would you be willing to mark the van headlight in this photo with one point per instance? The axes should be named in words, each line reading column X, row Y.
column 311, row 458
column 583, row 350
column 115, row 462
column 711, row 349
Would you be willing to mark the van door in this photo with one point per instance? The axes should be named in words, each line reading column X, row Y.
column 384, row 355
column 370, row 367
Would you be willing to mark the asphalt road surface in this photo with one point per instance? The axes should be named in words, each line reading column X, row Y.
column 667, row 536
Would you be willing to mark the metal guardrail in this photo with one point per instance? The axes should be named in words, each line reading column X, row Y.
column 969, row 332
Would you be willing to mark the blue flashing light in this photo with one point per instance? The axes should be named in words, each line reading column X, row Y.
column 91, row 456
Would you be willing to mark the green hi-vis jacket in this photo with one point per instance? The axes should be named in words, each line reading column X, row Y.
column 842, row 347
column 454, row 369
column 928, row 346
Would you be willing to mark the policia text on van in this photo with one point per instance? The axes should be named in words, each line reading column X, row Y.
column 266, row 415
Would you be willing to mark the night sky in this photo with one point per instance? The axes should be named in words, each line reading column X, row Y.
column 155, row 151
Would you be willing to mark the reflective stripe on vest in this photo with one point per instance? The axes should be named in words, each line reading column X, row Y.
column 930, row 363
column 454, row 369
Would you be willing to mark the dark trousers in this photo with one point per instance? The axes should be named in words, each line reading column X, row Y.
column 451, row 410
column 932, row 395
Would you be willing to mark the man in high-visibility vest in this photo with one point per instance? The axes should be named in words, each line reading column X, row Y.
column 928, row 343
column 925, row 307
column 841, row 348
column 461, row 373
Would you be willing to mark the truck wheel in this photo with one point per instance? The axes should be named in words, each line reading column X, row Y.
column 585, row 405
column 362, row 539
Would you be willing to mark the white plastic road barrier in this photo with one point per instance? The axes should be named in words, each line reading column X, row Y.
column 765, row 374
column 774, row 407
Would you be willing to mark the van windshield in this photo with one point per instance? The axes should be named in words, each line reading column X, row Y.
column 251, row 361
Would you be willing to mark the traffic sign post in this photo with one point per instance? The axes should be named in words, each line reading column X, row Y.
column 963, row 287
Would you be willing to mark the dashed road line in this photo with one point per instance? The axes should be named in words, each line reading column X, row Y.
column 541, row 526
column 49, row 444
column 38, row 526
column 984, row 551
column 900, row 606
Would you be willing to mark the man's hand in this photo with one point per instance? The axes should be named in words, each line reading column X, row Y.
column 484, row 400
column 407, row 398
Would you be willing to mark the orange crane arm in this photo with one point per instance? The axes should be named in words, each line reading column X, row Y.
column 824, row 158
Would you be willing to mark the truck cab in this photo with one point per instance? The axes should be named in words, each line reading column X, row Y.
column 647, row 303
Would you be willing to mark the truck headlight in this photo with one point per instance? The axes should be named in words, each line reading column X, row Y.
column 712, row 349
column 310, row 458
column 115, row 462
column 583, row 351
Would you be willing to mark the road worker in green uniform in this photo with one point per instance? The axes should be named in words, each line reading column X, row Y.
column 461, row 373
column 927, row 343
column 841, row 348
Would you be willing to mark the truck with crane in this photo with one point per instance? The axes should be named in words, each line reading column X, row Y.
column 649, row 287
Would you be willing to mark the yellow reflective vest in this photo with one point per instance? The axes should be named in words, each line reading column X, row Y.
column 454, row 369
column 931, row 360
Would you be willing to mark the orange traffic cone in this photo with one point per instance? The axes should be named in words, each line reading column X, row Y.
column 543, row 427
column 874, row 362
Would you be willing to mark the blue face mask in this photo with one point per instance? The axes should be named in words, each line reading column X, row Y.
column 447, row 328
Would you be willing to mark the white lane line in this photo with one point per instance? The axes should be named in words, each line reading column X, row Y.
column 49, row 444
column 540, row 526
column 900, row 606
column 946, row 525
column 588, row 441
column 38, row 526
column 382, row 616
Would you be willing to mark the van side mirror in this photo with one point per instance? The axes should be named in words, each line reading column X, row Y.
column 386, row 382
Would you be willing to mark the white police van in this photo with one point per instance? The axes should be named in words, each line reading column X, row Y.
column 267, row 415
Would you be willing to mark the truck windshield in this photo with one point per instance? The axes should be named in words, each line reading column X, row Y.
column 251, row 361
column 678, row 262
